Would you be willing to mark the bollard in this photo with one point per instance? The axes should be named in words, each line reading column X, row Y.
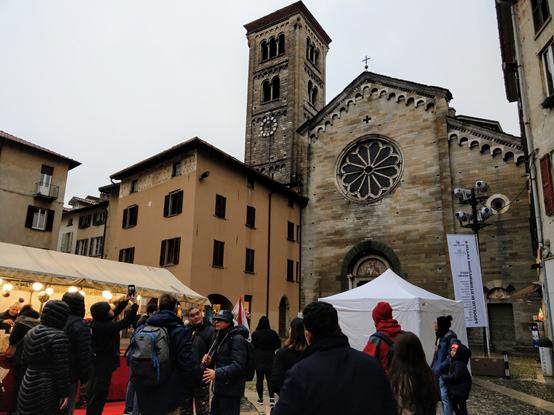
column 506, row 365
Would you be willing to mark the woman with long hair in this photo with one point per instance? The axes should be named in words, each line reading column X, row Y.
column 412, row 380
column 289, row 354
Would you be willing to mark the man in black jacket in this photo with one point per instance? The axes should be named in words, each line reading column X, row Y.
column 78, row 332
column 332, row 378
column 202, row 334
column 105, row 349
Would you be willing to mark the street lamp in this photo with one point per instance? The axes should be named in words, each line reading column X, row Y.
column 475, row 221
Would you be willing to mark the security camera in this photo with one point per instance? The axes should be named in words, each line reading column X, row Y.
column 481, row 186
column 462, row 194
column 463, row 216
column 484, row 213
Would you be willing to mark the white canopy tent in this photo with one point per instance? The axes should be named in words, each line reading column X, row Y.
column 21, row 263
column 415, row 309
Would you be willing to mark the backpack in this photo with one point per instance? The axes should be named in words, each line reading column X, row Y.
column 149, row 357
column 376, row 339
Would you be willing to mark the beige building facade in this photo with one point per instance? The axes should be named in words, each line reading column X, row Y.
column 527, row 44
column 223, row 229
column 379, row 163
column 32, row 187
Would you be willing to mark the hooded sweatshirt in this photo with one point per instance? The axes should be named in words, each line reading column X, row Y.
column 384, row 323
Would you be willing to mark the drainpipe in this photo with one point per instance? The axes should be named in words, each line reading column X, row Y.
column 300, row 261
column 268, row 253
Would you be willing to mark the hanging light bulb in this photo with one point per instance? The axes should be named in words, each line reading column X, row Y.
column 7, row 287
column 49, row 291
column 82, row 293
column 72, row 290
column 107, row 295
column 37, row 286
column 138, row 298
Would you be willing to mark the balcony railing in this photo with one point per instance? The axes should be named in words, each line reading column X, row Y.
column 43, row 191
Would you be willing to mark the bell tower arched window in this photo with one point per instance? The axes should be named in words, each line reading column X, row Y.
column 273, row 48
column 271, row 89
column 281, row 44
column 264, row 50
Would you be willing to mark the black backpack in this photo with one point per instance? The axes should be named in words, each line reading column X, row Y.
column 376, row 339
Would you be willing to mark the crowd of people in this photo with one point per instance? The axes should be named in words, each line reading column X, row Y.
column 314, row 372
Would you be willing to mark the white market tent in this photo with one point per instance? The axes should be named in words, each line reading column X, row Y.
column 21, row 263
column 415, row 309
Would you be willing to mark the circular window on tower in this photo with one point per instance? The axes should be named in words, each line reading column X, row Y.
column 368, row 169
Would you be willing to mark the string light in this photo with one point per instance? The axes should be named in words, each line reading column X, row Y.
column 82, row 293
column 37, row 286
column 7, row 287
column 72, row 290
column 49, row 291
column 107, row 295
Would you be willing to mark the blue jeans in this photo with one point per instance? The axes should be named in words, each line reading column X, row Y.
column 445, row 397
column 129, row 396
column 225, row 405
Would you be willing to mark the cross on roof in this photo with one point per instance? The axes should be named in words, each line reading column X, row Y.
column 365, row 60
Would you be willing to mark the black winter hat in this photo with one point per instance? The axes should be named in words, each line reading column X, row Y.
column 100, row 311
column 55, row 314
column 224, row 315
column 443, row 322
column 76, row 303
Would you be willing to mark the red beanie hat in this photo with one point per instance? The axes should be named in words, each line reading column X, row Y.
column 382, row 311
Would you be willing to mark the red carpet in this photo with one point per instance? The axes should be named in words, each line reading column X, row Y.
column 111, row 408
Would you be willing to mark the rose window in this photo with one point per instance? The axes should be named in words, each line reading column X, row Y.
column 369, row 169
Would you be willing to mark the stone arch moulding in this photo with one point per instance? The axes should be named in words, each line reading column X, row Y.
column 368, row 248
column 491, row 285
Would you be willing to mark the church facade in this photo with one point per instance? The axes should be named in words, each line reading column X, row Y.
column 378, row 164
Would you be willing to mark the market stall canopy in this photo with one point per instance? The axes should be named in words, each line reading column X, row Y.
column 415, row 309
column 51, row 267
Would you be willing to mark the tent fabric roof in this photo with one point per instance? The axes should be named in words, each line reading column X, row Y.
column 52, row 267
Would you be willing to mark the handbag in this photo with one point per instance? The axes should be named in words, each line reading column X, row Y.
column 10, row 351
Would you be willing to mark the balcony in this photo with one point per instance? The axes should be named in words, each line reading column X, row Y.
column 48, row 192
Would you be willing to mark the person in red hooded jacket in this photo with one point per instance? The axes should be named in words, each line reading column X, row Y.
column 387, row 328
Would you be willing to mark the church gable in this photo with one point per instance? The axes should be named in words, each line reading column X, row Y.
column 494, row 143
column 410, row 94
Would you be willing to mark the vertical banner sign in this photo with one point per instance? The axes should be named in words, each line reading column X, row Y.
column 466, row 274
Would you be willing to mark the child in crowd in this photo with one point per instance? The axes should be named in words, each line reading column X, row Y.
column 458, row 378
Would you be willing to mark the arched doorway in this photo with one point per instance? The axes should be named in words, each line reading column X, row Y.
column 284, row 309
column 219, row 302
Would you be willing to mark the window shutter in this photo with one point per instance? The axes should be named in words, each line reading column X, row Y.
column 179, row 202
column 30, row 215
column 131, row 256
column 176, row 250
column 49, row 220
column 134, row 217
column 220, row 257
column 125, row 213
column 121, row 255
column 162, row 255
column 166, row 206
column 548, row 193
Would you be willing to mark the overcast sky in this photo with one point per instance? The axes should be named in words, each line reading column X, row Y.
column 112, row 82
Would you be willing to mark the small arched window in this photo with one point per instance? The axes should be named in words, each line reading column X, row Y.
column 308, row 48
column 272, row 48
column 281, row 44
column 314, row 95
column 264, row 50
column 271, row 90
column 310, row 86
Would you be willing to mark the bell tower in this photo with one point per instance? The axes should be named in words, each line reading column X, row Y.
column 286, row 87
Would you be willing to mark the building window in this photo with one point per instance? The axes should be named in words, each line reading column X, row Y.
column 96, row 245
column 39, row 219
column 99, row 218
column 547, row 62
column 541, row 13
column 220, row 203
column 134, row 186
column 173, row 204
column 176, row 171
column 250, row 216
column 249, row 265
column 250, row 182
column 130, row 216
column 127, row 255
column 297, row 271
column 170, row 252
column 67, row 239
column 290, row 231
column 297, row 233
column 271, row 89
column 290, row 202
column 290, row 270
column 81, row 247
column 84, row 221
column 312, row 54
column 45, row 180
column 218, row 254
column 547, row 188
column 70, row 222
column 273, row 48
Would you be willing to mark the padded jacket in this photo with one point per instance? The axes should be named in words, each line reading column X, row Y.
column 441, row 357
column 458, row 378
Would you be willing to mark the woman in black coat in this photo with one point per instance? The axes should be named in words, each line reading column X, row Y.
column 265, row 341
column 287, row 356
column 25, row 321
column 45, row 386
